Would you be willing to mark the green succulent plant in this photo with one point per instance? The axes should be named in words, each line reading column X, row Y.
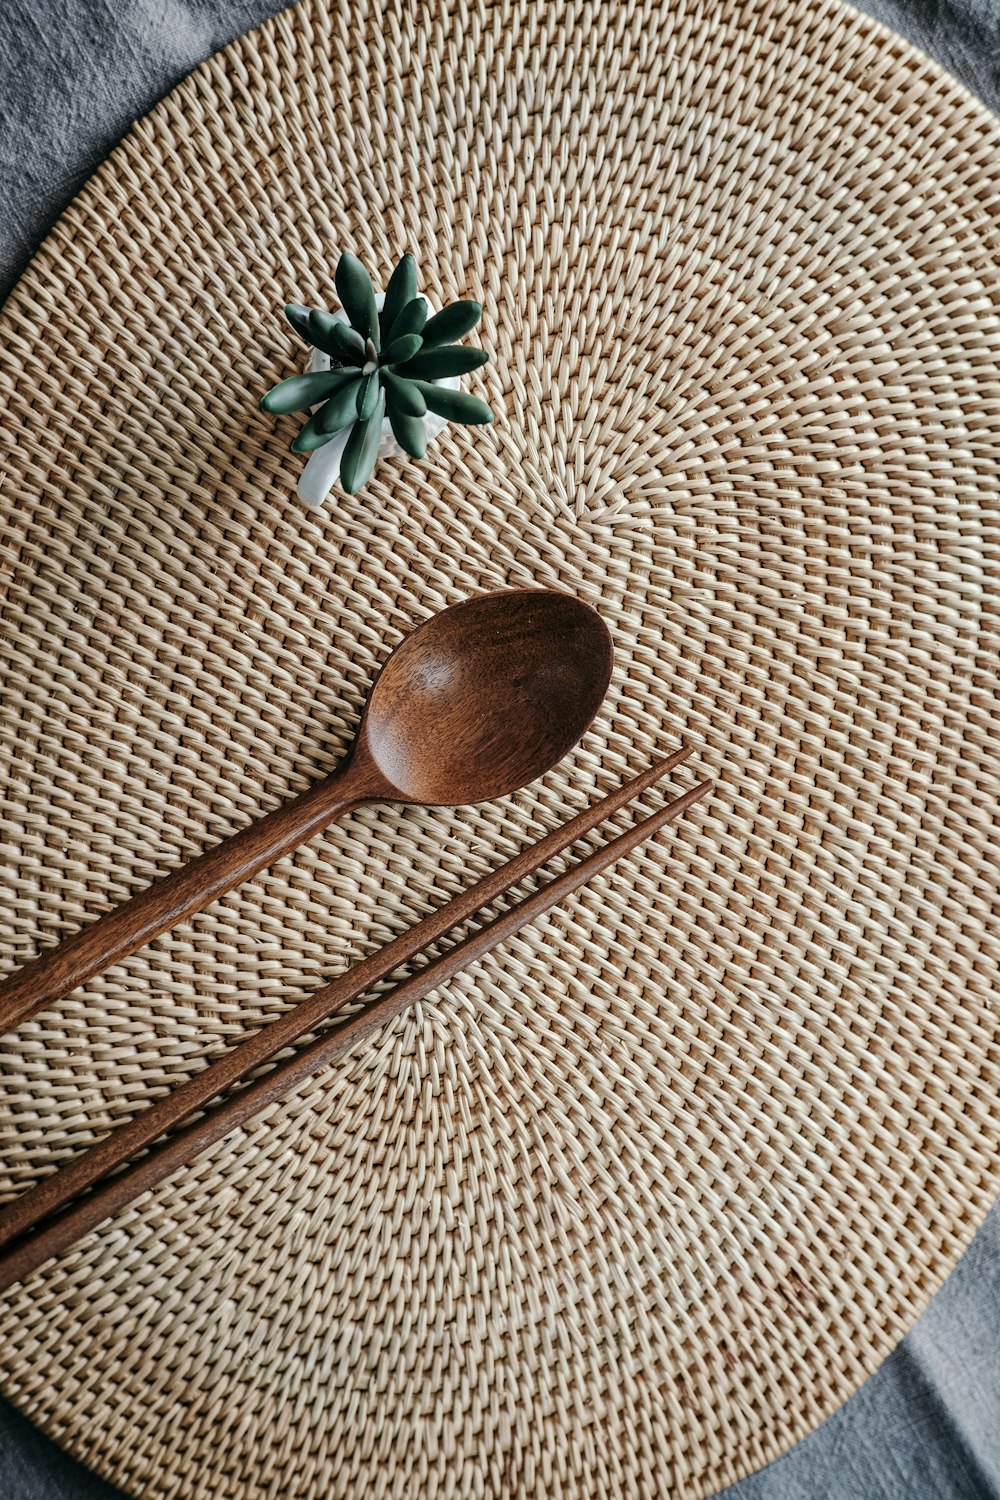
column 381, row 364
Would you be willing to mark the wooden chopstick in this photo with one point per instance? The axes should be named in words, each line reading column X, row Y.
column 131, row 1137
column 56, row 1235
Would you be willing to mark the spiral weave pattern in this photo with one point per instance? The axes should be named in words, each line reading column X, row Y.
column 635, row 1202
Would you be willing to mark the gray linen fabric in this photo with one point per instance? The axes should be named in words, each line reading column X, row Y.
column 74, row 74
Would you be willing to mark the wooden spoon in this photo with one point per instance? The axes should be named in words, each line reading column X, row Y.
column 478, row 701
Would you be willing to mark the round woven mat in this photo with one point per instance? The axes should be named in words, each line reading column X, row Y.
column 631, row 1205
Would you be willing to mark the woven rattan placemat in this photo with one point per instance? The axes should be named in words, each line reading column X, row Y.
column 629, row 1207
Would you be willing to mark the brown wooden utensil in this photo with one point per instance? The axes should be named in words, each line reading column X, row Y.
column 478, row 701
column 57, row 1234
column 134, row 1135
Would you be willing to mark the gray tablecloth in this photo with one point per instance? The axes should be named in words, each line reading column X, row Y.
column 74, row 74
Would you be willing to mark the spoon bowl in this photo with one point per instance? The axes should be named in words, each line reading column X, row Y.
column 476, row 702
column 486, row 696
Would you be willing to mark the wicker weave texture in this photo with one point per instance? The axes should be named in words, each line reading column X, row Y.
column 630, row 1206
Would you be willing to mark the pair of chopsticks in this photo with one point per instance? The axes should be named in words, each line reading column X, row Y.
column 45, row 1220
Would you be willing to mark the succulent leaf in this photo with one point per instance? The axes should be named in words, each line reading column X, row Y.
column 302, row 391
column 358, row 462
column 368, row 395
column 440, row 364
column 451, row 323
column 357, row 296
column 410, row 433
column 411, row 319
column 341, row 408
column 402, row 289
column 456, row 406
column 335, row 337
column 298, row 316
column 402, row 349
column 309, row 438
column 403, row 395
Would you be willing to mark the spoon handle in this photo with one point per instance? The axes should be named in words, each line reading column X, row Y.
column 177, row 896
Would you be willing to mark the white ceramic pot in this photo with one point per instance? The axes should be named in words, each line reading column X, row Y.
column 323, row 469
